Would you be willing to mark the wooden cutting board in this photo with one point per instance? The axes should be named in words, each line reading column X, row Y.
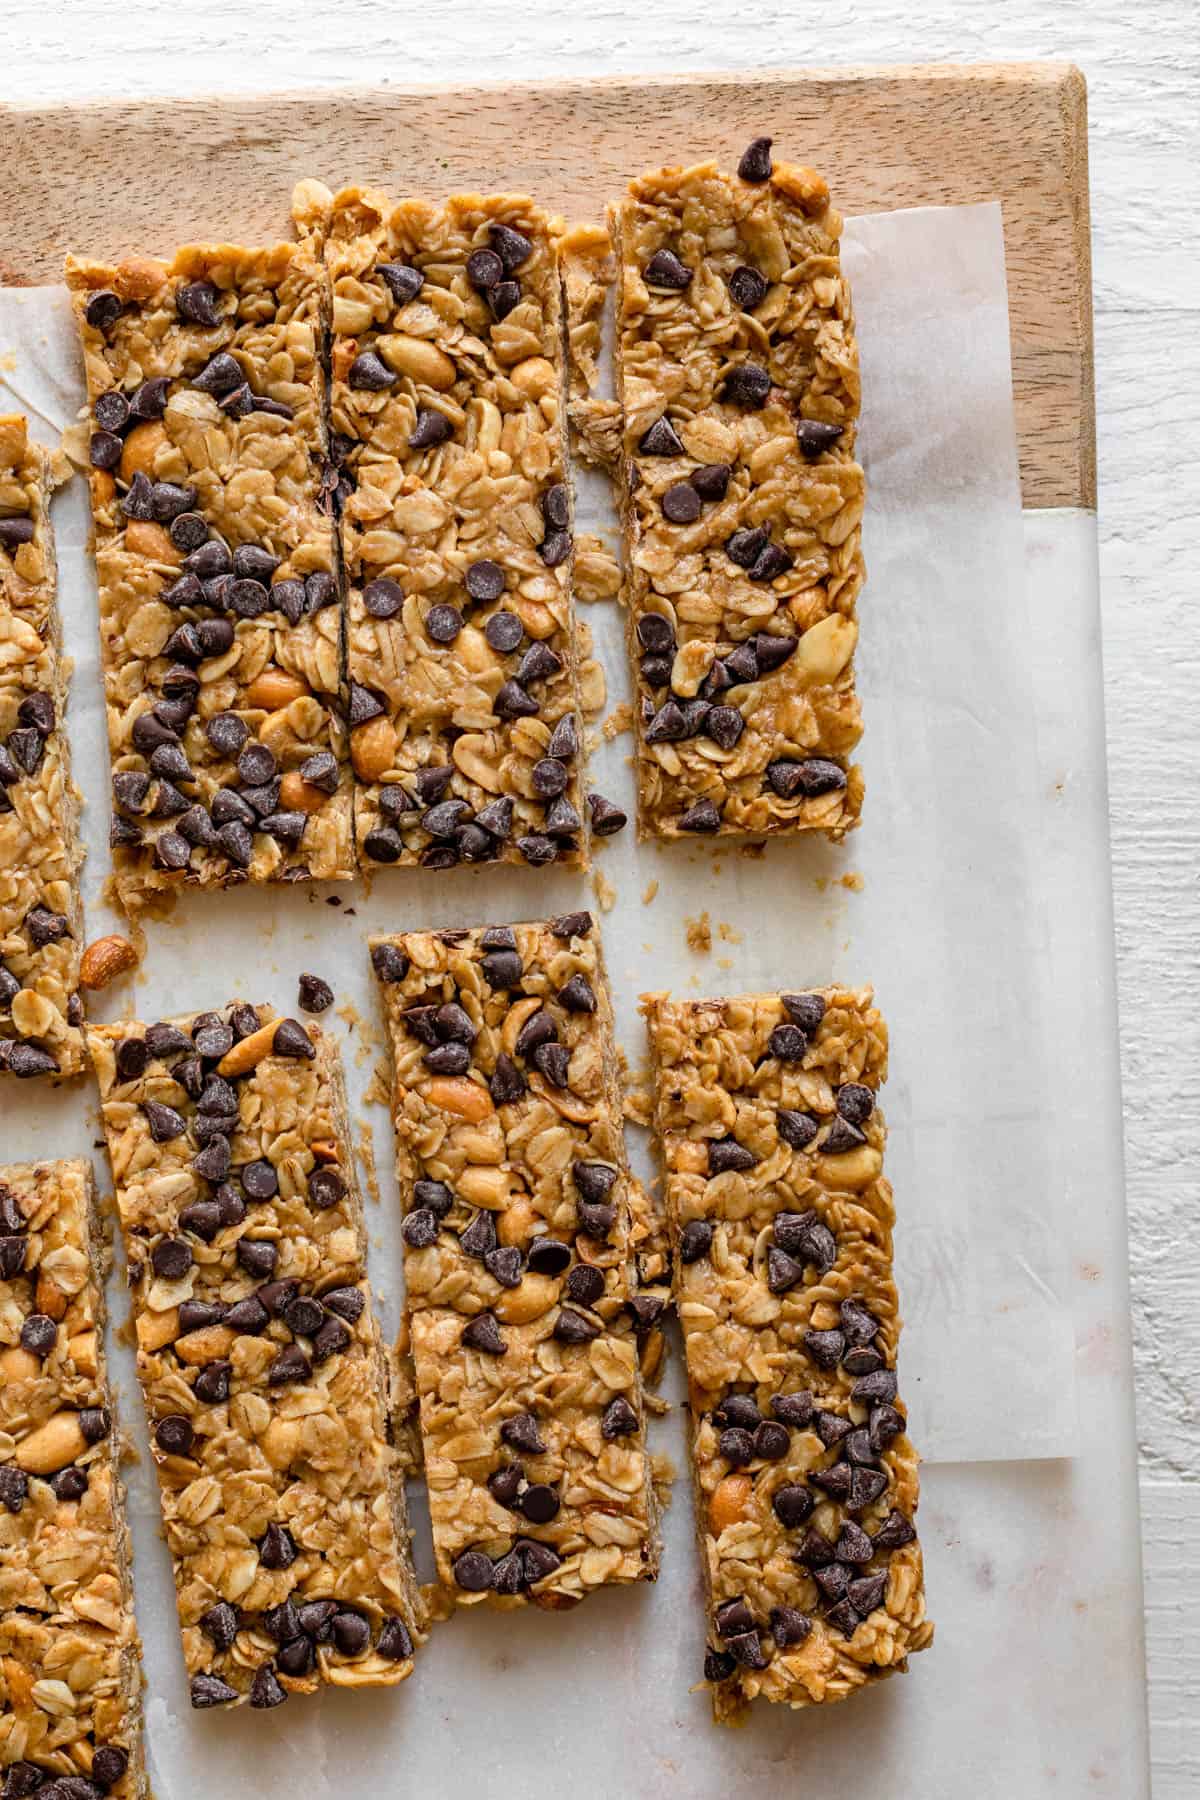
column 146, row 175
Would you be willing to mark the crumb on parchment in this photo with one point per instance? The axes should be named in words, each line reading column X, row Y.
column 619, row 721
column 699, row 935
column 649, row 892
column 728, row 934
column 605, row 892
column 852, row 881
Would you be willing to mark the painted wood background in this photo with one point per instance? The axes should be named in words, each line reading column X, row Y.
column 1143, row 71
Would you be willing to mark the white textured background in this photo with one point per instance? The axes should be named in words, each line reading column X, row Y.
column 1143, row 68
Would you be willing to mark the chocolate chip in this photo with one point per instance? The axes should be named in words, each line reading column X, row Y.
column 576, row 995
column 69, row 1484
column 443, row 623
column 95, row 1423
column 746, row 1649
column 289, row 1366
column 771, row 1441
column 747, row 385
column 832, row 1579
column 554, row 1062
column 854, row 1546
column 825, row 1348
column 539, row 1503
column 431, row 428
column 787, row 1043
column 473, row 1570
column 789, row 1626
column 783, row 1272
column 867, row 1592
column 403, row 282
column 866, row 1485
column 884, row 1424
column 747, row 288
column 507, row 1084
column 505, row 1484
column 738, row 1409
column 248, row 1317
column 571, row 1327
column 585, row 1284
column 351, row 1633
column 512, row 246
column 315, row 1618
column 394, row 1642
column 330, row 1340
column 661, row 439
column 109, row 1763
column 808, row 779
column 736, row 1445
column 265, row 1689
column 681, row 503
column 479, row 1237
column 858, row 1324
column 419, row 1229
column 895, row 1532
column 664, row 270
column 555, row 548
column 805, row 1010
column 103, row 309
column 257, row 1256
column 797, row 1129
column 755, row 165
column 718, row 1665
column 484, row 269
column 174, row 1434
column 483, row 1333
column 606, row 817
column 772, row 649
column 733, row 1617
column 39, row 1334
column 695, row 1240
column 702, row 817
column 292, row 1040
column 771, row 561
column 855, row 1103
column 211, row 1690
column 815, row 436
column 711, row 480
column 877, row 1389
column 571, row 925
column 512, row 702
column 37, row 711
column 726, row 1153
column 794, row 1410
column 213, row 1383
column 12, row 1256
column 369, row 373
column 841, row 1137
column 618, row 1420
column 523, row 1433
column 503, row 298
column 484, row 581
column 104, row 452
column 668, row 726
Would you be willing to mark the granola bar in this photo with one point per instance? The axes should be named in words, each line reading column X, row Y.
column 448, row 417
column 742, row 502
column 781, row 1218
column 220, row 617
column 588, row 271
column 70, row 1660
column 259, row 1354
column 41, row 920
column 524, row 1307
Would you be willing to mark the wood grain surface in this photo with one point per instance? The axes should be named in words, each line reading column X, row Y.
column 146, row 175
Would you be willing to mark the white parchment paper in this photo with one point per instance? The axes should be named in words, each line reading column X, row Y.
column 936, row 900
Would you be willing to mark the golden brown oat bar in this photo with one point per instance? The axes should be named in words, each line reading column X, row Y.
column 220, row 620
column 588, row 271
column 448, row 419
column 41, row 921
column 259, row 1354
column 806, row 1480
column 70, row 1660
column 520, row 1264
column 742, row 502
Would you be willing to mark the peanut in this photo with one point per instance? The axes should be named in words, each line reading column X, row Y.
column 298, row 795
column 82, row 1350
column 855, row 1169
column 141, row 447
column 154, row 1329
column 139, row 277
column 373, row 748
column 535, row 1296
column 106, row 958
column 274, row 687
column 515, row 1018
column 52, row 1446
column 210, row 1344
column 145, row 538
column 49, row 1297
column 420, row 360
column 538, row 620
column 249, row 1051
column 455, row 1094
column 729, row 1502
column 280, row 1442
column 516, row 1222
column 825, row 649
column 17, row 1364
column 534, row 377
column 488, row 1187
column 104, row 488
